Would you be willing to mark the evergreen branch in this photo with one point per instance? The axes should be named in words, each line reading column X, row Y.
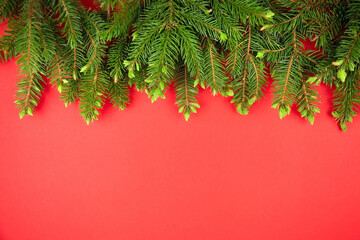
column 162, row 63
column 307, row 98
column 190, row 52
column 204, row 24
column 94, row 55
column 213, row 73
column 139, row 81
column 59, row 75
column 42, row 36
column 7, row 46
column 186, row 93
column 347, row 99
column 247, row 57
column 93, row 88
column 286, row 82
column 117, row 52
column 96, row 50
column 8, row 9
column 70, row 91
column 225, row 20
column 257, row 92
column 138, row 48
column 306, row 101
column 3, row 6
column 258, row 12
column 71, row 28
column 73, row 35
column 122, row 19
column 282, row 23
column 29, row 39
column 352, row 47
column 118, row 93
column 242, row 92
column 29, row 93
column 287, row 78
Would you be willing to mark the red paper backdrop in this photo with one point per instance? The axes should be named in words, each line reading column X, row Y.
column 146, row 174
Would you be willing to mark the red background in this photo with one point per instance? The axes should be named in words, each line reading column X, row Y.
column 146, row 174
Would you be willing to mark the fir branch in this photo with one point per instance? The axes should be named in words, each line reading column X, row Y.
column 190, row 52
column 7, row 41
column 286, row 84
column 347, row 99
column 122, row 18
column 248, row 79
column 117, row 54
column 213, row 70
column 118, row 93
column 306, row 101
column 70, row 91
column 28, row 42
column 69, row 15
column 186, row 93
column 93, row 89
column 162, row 64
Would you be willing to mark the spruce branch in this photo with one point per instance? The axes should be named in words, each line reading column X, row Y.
column 286, row 85
column 246, row 71
column 306, row 100
column 186, row 92
column 347, row 99
column 214, row 74
column 7, row 41
column 162, row 64
column 118, row 93
column 29, row 48
column 92, row 96
column 69, row 16
column 121, row 15
column 8, row 9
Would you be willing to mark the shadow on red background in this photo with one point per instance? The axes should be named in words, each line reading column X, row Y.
column 145, row 173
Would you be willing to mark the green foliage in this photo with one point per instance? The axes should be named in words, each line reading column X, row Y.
column 8, row 8
column 247, row 71
column 7, row 41
column 306, row 100
column 160, row 41
column 30, row 59
column 118, row 93
column 120, row 15
column 69, row 16
column 340, row 67
column 346, row 99
column 92, row 96
column 294, row 21
column 185, row 92
column 117, row 53
column 93, row 41
column 213, row 69
column 223, row 45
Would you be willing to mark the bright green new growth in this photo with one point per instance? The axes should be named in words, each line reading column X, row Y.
column 223, row 45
